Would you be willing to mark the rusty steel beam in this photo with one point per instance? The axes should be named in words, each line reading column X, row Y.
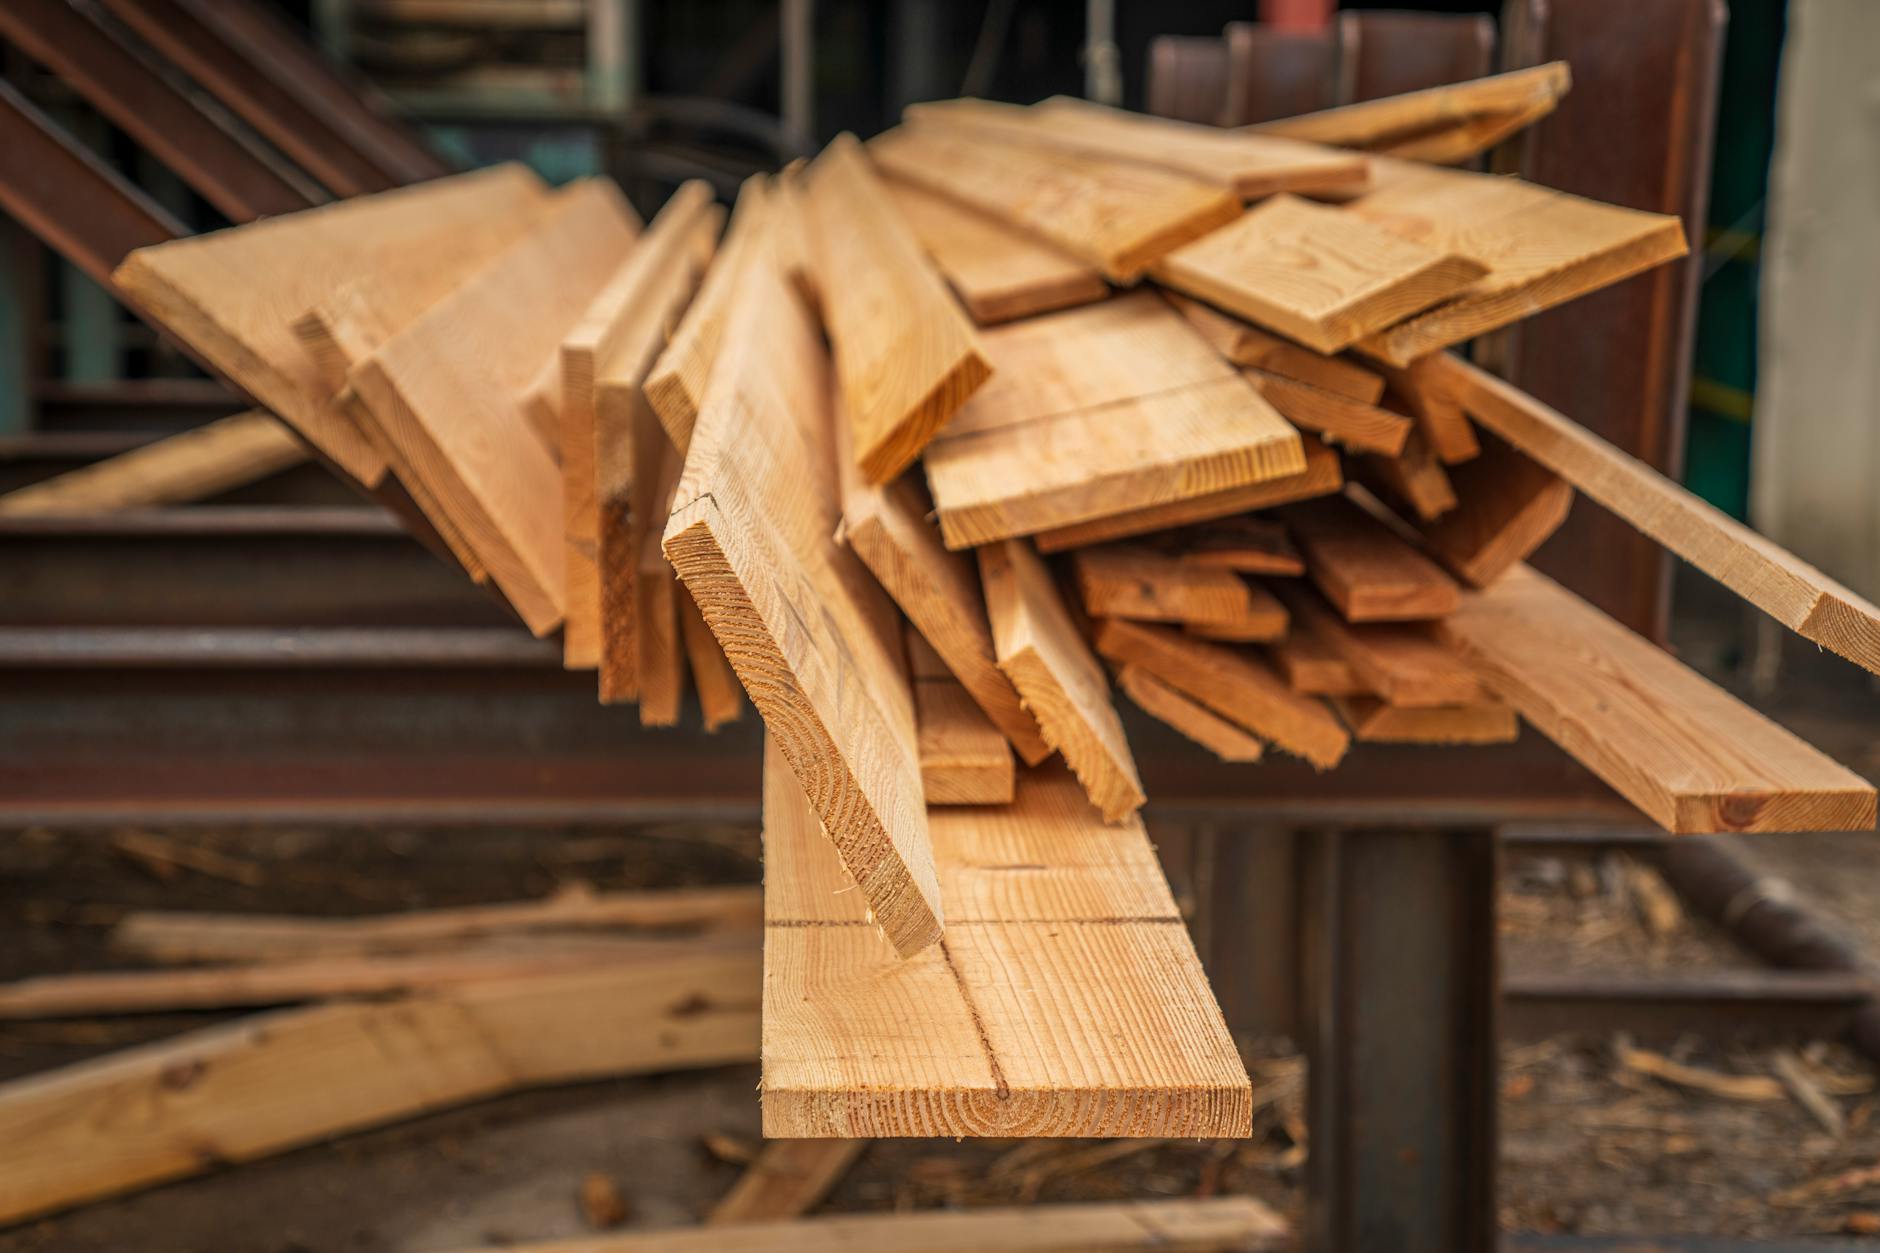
column 237, row 178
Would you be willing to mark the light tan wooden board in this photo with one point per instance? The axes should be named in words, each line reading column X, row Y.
column 789, row 234
column 1401, row 662
column 1690, row 756
column 1115, row 215
column 1233, row 683
column 1041, row 649
column 1374, row 721
column 1196, row 721
column 1137, row 581
column 963, row 758
column 906, row 355
column 720, row 697
column 189, row 466
column 999, row 273
column 1244, row 344
column 1363, row 567
column 263, row 1084
column 233, row 295
column 1247, row 544
column 1110, row 408
column 1064, row 1001
column 1322, row 476
column 1413, row 483
column 814, row 640
column 788, row 1178
column 1426, row 391
column 1248, row 166
column 659, row 659
column 1783, row 586
column 1395, row 121
column 1508, row 506
column 1312, row 664
column 1351, row 424
column 1319, row 275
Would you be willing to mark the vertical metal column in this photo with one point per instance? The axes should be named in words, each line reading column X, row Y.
column 1397, row 937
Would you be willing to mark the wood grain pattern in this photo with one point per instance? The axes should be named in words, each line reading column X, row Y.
column 1410, row 123
column 233, row 296
column 1376, row 722
column 788, row 1178
column 1400, row 662
column 1137, row 581
column 229, row 452
column 1689, row 755
column 1247, row 544
column 999, row 273
column 1508, row 506
column 963, row 758
column 1352, row 424
column 1424, row 390
column 906, row 357
column 659, row 657
column 1231, row 682
column 1191, row 718
column 720, row 698
column 1061, row 682
column 1788, row 589
column 1312, row 665
column 1065, row 1000
column 1113, row 214
column 1318, row 275
column 814, row 640
column 1413, row 483
column 1244, row 344
column 1363, row 567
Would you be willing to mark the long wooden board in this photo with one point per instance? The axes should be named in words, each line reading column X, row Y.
column 229, row 452
column 1363, row 567
column 1692, row 757
column 788, row 1178
column 815, row 642
column 1245, row 344
column 1064, row 1001
column 1377, row 722
column 720, row 698
column 1507, row 505
column 963, row 758
column 1352, row 424
column 1190, row 717
column 906, row 357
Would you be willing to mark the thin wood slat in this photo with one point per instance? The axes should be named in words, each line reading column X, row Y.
column 1115, row 215
column 1191, row 718
column 1318, row 275
column 659, row 653
column 813, row 639
column 229, row 452
column 1000, row 274
column 1425, row 390
column 1350, row 423
column 906, row 357
column 1312, row 665
column 1246, row 544
column 1136, row 581
column 720, row 696
column 1377, row 722
column 1400, row 662
column 1263, row 620
column 787, row 1178
column 1508, row 506
column 1691, row 757
column 1413, row 482
column 963, row 758
column 1363, row 567
column 1441, row 124
column 1782, row 585
column 1042, row 651
column 1244, row 344
column 1066, row 1000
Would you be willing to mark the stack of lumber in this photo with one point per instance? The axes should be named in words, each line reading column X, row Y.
column 947, row 434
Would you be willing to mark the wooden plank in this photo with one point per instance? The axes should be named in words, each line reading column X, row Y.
column 1247, row 166
column 788, row 1178
column 999, row 273
column 1376, row 722
column 1350, row 423
column 660, row 271
column 1137, row 581
column 1413, row 483
column 1788, row 589
column 1400, row 121
column 1262, row 621
column 1363, row 567
column 813, row 639
column 1061, row 682
column 1318, row 275
column 906, row 357
column 1508, row 506
column 659, row 654
column 1191, row 718
column 1689, row 755
column 1215, row 1225
column 1424, row 390
column 676, row 383
column 1400, row 662
column 1231, row 682
column 445, row 390
column 1246, row 544
column 789, row 234
column 232, row 295
column 1113, row 214
column 229, row 452
column 1322, row 476
column 1244, row 344
column 720, row 697
column 963, row 758
column 1098, row 1022
column 1312, row 665
column 262, row 1084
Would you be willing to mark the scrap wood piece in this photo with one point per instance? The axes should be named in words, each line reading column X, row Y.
column 1440, row 124
column 812, row 637
column 1782, row 585
column 1352, row 423
column 659, row 655
column 1426, row 391
column 1690, row 756
column 1508, row 506
column 1116, row 215
column 1137, row 581
column 1263, row 620
column 1099, row 1023
column 262, row 1084
column 1243, row 344
column 1212, row 1225
column 1190, row 717
column 1248, row 166
column 788, row 232
column 659, row 272
column 906, row 357
column 1245, row 544
column 1323, row 475
column 188, row 466
column 963, row 758
column 1312, row 665
column 720, row 697
column 232, row 295
column 1000, row 274
column 1736, row 1087
column 1374, row 721
column 1231, row 682
column 788, row 1178
column 1363, row 567
column 1413, row 482
column 1318, row 275
column 1400, row 662
column 1041, row 649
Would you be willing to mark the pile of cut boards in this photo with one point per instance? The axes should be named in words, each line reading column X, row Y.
column 944, row 434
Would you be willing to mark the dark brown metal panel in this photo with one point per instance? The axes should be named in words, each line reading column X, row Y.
column 1635, row 130
column 1276, row 73
column 60, row 192
column 1389, row 53
column 237, row 178
column 1187, row 78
